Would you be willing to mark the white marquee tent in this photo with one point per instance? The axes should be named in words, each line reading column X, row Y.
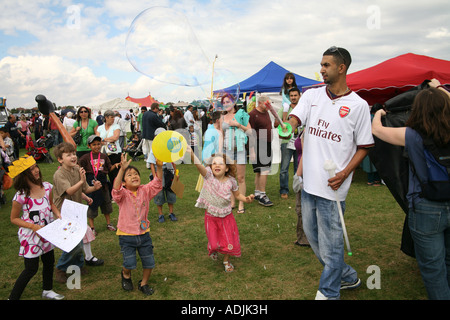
column 116, row 104
column 120, row 105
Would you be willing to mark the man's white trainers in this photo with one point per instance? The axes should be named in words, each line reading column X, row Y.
column 349, row 285
column 320, row 296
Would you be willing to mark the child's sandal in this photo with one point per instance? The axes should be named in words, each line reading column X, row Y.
column 214, row 256
column 228, row 266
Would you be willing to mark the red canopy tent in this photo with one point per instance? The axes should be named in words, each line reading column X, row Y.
column 397, row 75
column 143, row 102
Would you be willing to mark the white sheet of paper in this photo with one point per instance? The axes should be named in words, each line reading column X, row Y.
column 67, row 232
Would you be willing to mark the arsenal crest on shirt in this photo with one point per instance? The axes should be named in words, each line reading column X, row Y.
column 344, row 111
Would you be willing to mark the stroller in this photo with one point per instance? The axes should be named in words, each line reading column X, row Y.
column 40, row 148
column 134, row 147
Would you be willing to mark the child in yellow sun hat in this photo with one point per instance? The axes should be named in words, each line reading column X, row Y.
column 32, row 209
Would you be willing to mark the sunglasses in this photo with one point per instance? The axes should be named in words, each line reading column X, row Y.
column 333, row 49
column 83, row 111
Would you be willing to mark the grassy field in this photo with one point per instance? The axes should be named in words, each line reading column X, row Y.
column 270, row 268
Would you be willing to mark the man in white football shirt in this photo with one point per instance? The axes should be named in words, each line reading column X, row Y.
column 338, row 128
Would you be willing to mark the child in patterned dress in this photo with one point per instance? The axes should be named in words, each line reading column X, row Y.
column 34, row 200
column 220, row 226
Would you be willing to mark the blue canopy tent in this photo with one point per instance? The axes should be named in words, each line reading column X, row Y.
column 268, row 79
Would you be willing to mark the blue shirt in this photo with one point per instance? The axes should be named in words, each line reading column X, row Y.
column 414, row 148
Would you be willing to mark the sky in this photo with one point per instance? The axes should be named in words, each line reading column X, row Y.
column 90, row 52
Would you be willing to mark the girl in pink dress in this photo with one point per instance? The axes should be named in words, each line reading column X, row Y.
column 215, row 196
column 33, row 209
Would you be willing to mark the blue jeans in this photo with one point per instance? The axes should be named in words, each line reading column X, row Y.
column 74, row 257
column 57, row 139
column 143, row 245
column 165, row 195
column 429, row 223
column 323, row 229
column 286, row 155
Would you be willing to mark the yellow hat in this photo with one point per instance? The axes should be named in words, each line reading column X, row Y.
column 20, row 165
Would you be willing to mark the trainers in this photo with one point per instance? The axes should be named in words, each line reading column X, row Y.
column 264, row 201
column 145, row 289
column 172, row 217
column 161, row 218
column 320, row 296
column 52, row 295
column 350, row 285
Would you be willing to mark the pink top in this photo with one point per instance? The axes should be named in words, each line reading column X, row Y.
column 36, row 211
column 133, row 209
column 215, row 196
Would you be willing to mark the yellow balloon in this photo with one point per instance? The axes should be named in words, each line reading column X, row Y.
column 169, row 146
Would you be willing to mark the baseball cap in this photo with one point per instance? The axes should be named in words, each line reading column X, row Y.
column 93, row 138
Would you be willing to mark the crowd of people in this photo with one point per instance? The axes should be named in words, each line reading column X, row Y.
column 329, row 122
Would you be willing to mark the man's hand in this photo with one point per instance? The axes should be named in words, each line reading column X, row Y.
column 336, row 182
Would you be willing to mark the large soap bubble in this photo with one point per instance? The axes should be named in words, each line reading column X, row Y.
column 226, row 92
column 162, row 45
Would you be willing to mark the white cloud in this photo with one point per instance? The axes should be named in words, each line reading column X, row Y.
column 439, row 33
column 62, row 81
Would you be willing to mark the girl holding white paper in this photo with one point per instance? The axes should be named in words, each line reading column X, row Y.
column 33, row 209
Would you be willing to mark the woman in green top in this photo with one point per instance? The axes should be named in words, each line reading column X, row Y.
column 86, row 126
